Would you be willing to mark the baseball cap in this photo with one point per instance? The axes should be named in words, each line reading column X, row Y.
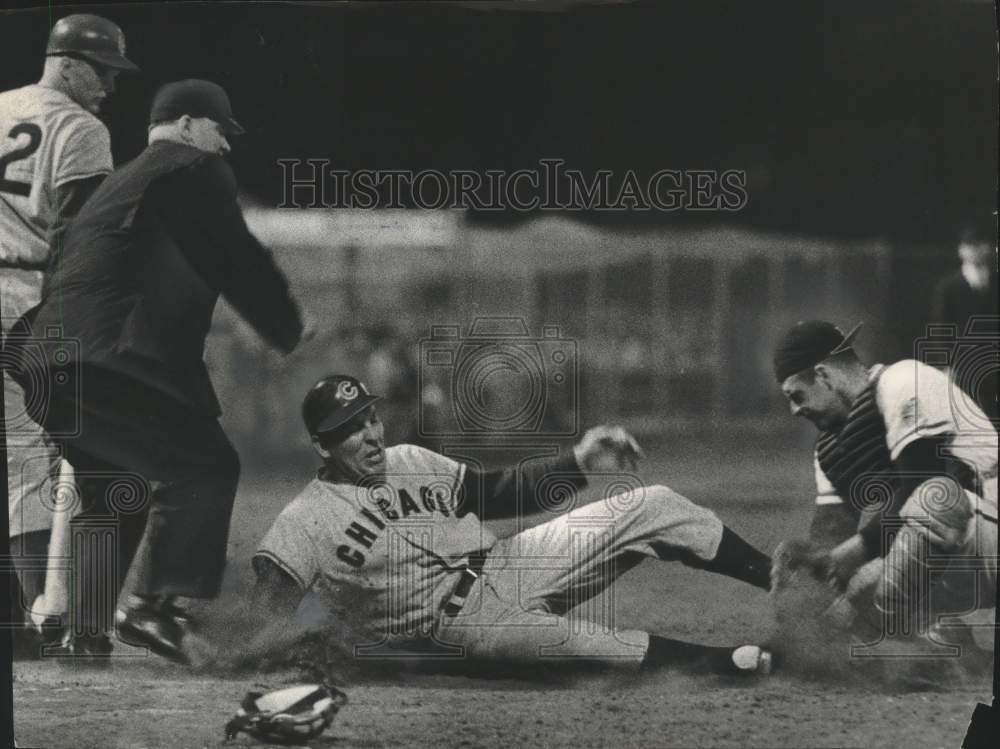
column 807, row 344
column 333, row 401
column 195, row 98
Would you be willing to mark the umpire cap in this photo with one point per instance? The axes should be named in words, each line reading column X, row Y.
column 333, row 401
column 807, row 344
column 91, row 37
column 195, row 98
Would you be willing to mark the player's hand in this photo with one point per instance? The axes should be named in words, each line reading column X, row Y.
column 845, row 560
column 607, row 449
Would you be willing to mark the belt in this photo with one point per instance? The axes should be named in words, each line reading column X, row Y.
column 470, row 573
column 10, row 264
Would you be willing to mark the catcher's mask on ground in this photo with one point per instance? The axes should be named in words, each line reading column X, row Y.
column 287, row 716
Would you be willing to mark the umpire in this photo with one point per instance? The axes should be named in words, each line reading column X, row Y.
column 142, row 268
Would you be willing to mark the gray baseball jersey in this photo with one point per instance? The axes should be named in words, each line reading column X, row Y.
column 46, row 141
column 397, row 539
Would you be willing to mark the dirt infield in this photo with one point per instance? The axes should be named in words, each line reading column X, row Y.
column 146, row 702
column 143, row 705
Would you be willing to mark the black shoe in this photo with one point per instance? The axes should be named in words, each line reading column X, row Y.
column 88, row 650
column 153, row 629
column 182, row 618
column 28, row 642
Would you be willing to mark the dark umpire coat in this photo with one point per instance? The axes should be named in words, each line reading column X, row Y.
column 142, row 267
column 130, row 297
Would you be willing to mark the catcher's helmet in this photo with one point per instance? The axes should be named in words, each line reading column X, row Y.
column 333, row 401
column 91, row 37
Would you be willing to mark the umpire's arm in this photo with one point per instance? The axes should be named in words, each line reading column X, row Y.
column 199, row 209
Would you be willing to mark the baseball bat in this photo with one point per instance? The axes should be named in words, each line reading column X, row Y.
column 54, row 600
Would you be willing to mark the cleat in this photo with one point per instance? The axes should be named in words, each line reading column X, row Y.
column 181, row 617
column 85, row 650
column 147, row 627
column 752, row 660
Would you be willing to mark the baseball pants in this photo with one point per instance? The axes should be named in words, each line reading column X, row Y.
column 32, row 460
column 537, row 596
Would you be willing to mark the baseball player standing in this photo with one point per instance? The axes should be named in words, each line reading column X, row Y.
column 53, row 154
column 403, row 525
column 913, row 460
column 142, row 269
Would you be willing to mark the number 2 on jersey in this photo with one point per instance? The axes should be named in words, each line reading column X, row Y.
column 34, row 134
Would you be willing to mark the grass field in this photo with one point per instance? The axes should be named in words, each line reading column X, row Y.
column 762, row 490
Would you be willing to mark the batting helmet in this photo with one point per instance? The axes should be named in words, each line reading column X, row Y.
column 333, row 401
column 91, row 37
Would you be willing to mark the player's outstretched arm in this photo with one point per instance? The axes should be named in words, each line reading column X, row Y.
column 504, row 493
column 508, row 492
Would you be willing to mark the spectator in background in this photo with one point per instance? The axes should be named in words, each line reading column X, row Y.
column 967, row 295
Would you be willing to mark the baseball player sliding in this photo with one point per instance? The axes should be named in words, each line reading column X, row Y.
column 403, row 526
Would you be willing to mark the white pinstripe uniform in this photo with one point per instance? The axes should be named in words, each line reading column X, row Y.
column 917, row 401
column 46, row 141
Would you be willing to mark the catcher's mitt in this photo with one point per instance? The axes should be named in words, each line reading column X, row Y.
column 803, row 586
column 287, row 716
column 793, row 559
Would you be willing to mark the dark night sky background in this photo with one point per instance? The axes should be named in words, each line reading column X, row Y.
column 852, row 119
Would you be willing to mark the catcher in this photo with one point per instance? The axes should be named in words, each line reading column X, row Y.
column 403, row 526
column 910, row 462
